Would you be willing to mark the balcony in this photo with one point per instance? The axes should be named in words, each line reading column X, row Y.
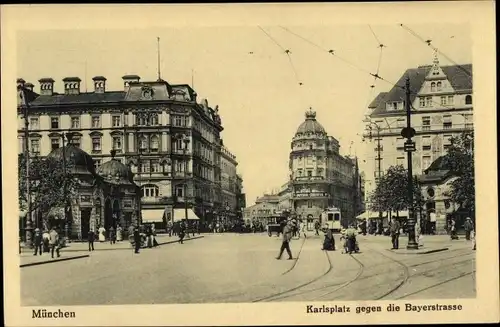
column 309, row 179
column 310, row 195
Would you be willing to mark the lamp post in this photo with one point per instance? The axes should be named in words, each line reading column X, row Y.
column 25, row 106
column 379, row 158
column 408, row 132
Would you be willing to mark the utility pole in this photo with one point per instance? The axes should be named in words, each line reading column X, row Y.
column 379, row 160
column 408, row 132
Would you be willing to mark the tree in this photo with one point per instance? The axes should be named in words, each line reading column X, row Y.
column 391, row 193
column 49, row 185
column 460, row 161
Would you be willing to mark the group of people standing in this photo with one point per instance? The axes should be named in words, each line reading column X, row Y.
column 48, row 242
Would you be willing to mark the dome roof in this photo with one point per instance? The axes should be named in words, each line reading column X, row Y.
column 310, row 125
column 115, row 171
column 75, row 156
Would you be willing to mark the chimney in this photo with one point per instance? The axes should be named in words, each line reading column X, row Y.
column 46, row 86
column 29, row 86
column 20, row 82
column 99, row 84
column 128, row 79
column 71, row 85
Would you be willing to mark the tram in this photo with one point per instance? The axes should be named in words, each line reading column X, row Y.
column 331, row 219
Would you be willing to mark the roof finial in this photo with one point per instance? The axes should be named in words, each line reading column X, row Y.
column 436, row 59
column 113, row 153
column 310, row 114
column 158, row 51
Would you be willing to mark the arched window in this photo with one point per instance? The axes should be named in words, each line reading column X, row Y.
column 433, row 87
column 143, row 142
column 154, row 119
column 439, row 86
column 468, row 99
column 150, row 191
column 154, row 143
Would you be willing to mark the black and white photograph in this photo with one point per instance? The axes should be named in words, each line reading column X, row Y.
column 333, row 167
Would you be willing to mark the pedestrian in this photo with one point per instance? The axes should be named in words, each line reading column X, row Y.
column 418, row 234
column 91, row 238
column 46, row 241
column 182, row 232
column 112, row 235
column 54, row 242
column 194, row 228
column 169, row 228
column 119, row 233
column 37, row 241
column 316, row 227
column 137, row 240
column 453, row 229
column 285, row 245
column 153, row 235
column 329, row 241
column 468, row 227
column 395, row 230
column 473, row 234
column 102, row 237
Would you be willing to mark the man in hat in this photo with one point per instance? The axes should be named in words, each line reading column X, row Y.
column 468, row 227
column 54, row 242
column 137, row 240
column 395, row 230
column 37, row 241
column 285, row 245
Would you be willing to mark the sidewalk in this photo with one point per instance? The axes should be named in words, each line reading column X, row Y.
column 106, row 246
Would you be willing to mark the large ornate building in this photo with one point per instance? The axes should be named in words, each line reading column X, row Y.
column 441, row 101
column 169, row 139
column 320, row 177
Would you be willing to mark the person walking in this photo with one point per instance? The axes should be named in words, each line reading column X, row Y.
column 316, row 227
column 453, row 229
column 37, row 241
column 182, row 232
column 395, row 230
column 54, row 242
column 119, row 233
column 285, row 245
column 468, row 227
column 137, row 240
column 102, row 237
column 169, row 228
column 91, row 239
column 112, row 235
column 46, row 241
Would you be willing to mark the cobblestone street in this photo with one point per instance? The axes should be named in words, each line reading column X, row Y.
column 243, row 268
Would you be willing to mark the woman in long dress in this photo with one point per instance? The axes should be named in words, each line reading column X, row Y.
column 102, row 237
column 119, row 233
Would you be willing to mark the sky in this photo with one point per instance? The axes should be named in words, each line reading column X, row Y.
column 260, row 100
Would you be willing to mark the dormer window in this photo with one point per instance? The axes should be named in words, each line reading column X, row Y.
column 468, row 99
column 439, row 86
column 433, row 87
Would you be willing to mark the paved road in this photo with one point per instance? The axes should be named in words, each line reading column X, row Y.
column 242, row 268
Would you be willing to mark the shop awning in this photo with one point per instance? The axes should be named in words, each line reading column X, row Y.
column 152, row 215
column 180, row 214
column 368, row 215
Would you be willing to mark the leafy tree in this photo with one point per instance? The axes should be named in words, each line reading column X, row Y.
column 391, row 193
column 50, row 186
column 460, row 161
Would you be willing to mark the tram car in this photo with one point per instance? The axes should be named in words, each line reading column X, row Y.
column 331, row 219
column 275, row 224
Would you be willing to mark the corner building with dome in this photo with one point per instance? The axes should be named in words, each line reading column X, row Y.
column 320, row 176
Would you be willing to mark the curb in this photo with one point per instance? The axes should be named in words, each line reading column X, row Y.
column 55, row 260
column 415, row 252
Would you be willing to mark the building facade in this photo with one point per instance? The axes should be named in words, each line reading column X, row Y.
column 265, row 207
column 441, row 101
column 170, row 141
column 229, row 184
column 320, row 177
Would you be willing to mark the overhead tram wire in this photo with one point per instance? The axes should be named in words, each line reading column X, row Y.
column 429, row 43
column 332, row 52
column 285, row 51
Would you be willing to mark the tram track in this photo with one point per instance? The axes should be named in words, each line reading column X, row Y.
column 296, row 259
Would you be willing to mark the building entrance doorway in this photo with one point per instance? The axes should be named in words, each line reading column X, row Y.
column 108, row 215
column 85, row 222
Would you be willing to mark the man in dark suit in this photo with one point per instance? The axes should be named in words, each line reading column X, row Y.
column 395, row 228
column 137, row 240
column 91, row 239
column 285, row 245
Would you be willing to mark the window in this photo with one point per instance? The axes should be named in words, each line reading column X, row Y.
column 443, row 100
column 179, row 191
column 447, row 125
column 450, row 99
column 75, row 122
column 439, row 86
column 116, row 121
column 54, row 143
column 400, row 143
column 155, row 166
column 150, row 191
column 426, row 162
column 433, row 87
column 426, row 123
column 145, row 165
column 309, row 173
column 177, row 121
column 34, row 123
column 422, row 102
column 154, row 143
column 35, row 146
column 117, row 143
column 468, row 121
column 154, row 119
column 426, row 143
column 468, row 99
column 446, row 142
column 96, row 145
column 143, row 143
column 309, row 204
column 428, row 101
column 96, row 121
column 400, row 161
column 395, row 106
column 54, row 122
column 97, row 163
